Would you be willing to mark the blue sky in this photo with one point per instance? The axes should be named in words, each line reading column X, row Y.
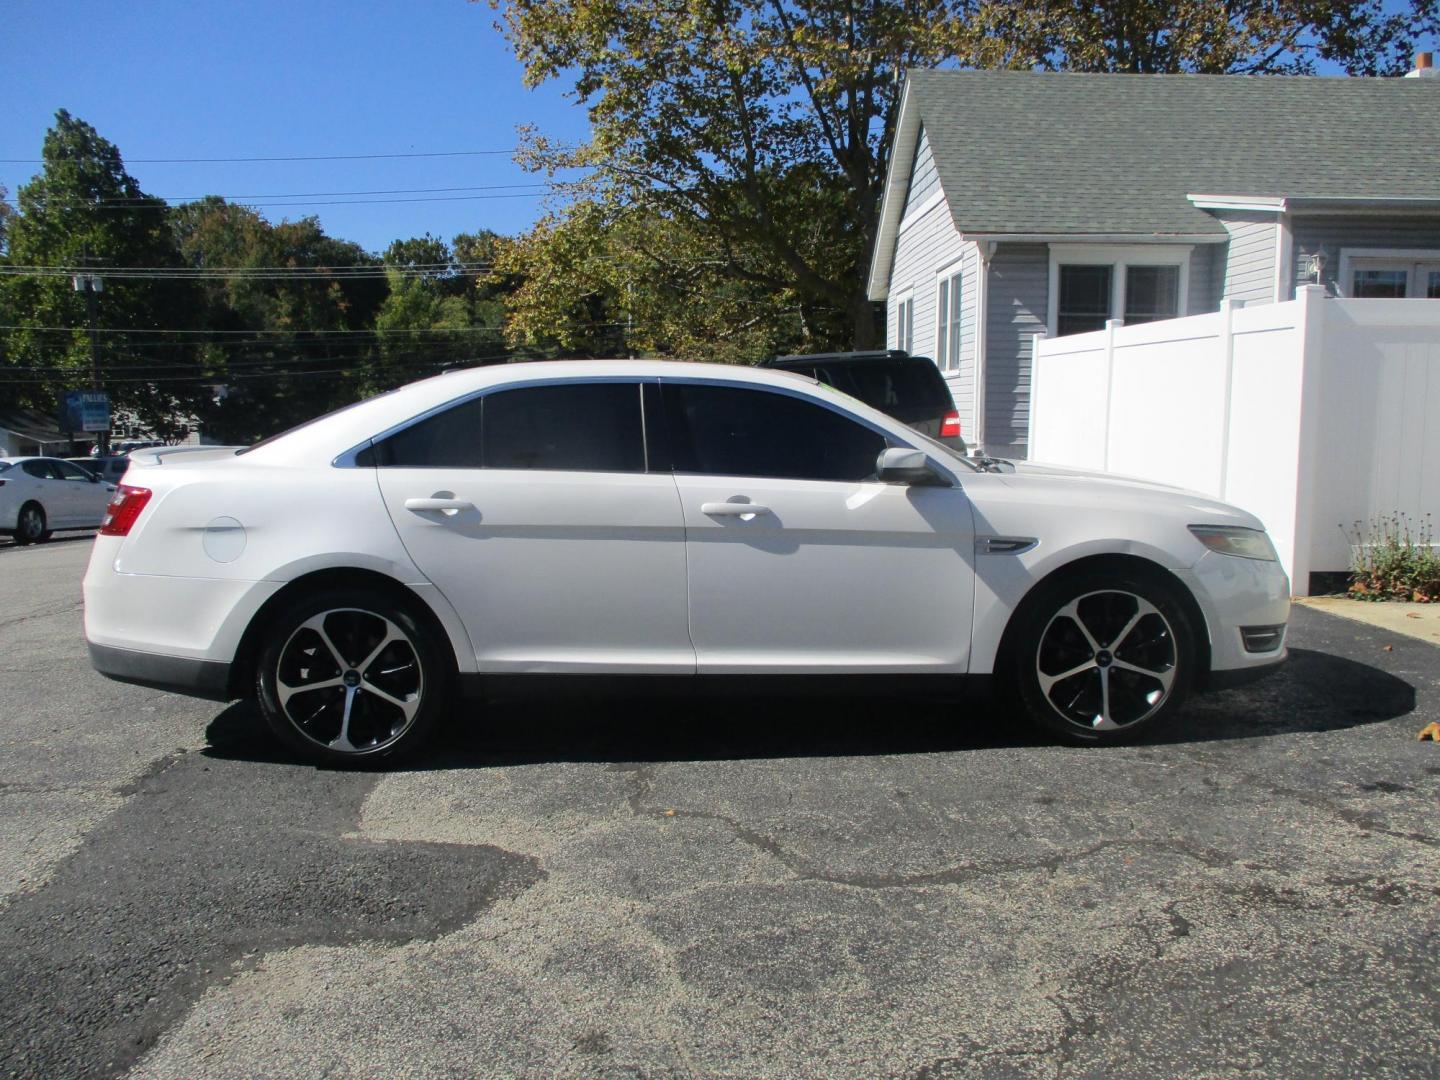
column 209, row 78
column 203, row 78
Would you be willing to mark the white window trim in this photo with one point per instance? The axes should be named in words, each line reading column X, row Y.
column 901, row 299
column 1119, row 257
column 953, row 269
column 1349, row 256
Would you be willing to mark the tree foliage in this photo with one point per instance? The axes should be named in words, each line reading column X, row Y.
column 758, row 128
column 279, row 350
column 746, row 141
column 1243, row 37
column 84, row 209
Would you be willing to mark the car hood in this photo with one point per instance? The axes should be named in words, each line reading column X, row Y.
column 1041, row 468
column 1055, row 486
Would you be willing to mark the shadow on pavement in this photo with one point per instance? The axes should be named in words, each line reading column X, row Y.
column 1314, row 692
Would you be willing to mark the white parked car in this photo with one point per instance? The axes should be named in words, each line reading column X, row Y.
column 649, row 518
column 39, row 495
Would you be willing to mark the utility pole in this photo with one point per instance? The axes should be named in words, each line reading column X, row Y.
column 92, row 285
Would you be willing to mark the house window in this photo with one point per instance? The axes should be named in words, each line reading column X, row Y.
column 1090, row 285
column 905, row 323
column 947, row 322
column 1392, row 278
column 1084, row 299
column 1151, row 293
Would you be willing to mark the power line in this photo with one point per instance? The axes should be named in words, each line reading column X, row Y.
column 408, row 330
column 157, row 204
column 299, row 157
column 122, row 199
column 157, row 330
column 378, row 272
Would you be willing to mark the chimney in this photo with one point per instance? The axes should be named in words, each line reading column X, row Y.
column 1424, row 67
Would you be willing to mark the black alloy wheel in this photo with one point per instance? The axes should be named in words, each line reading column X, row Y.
column 351, row 678
column 1101, row 657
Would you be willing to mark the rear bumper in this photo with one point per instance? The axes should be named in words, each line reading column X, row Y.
column 209, row 679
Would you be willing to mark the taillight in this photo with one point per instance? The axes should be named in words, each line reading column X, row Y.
column 124, row 508
column 950, row 426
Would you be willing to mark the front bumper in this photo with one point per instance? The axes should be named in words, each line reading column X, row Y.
column 209, row 679
column 1235, row 594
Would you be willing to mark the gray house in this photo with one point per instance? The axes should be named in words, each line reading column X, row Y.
column 1021, row 203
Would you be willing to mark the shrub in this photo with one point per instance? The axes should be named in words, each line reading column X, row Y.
column 1394, row 559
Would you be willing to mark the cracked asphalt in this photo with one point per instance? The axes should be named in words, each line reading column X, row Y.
column 861, row 888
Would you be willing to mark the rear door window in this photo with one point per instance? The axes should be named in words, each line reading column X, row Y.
column 587, row 427
column 40, row 469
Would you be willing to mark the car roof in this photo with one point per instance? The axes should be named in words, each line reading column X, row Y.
column 333, row 434
column 892, row 356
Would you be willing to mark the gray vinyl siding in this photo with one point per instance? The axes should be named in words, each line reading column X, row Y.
column 1335, row 234
column 1250, row 261
column 924, row 180
column 1207, row 278
column 1019, row 298
column 926, row 245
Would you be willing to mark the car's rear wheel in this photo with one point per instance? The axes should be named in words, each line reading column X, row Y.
column 1102, row 656
column 351, row 677
column 30, row 526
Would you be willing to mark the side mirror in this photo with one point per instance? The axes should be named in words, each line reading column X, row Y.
column 899, row 465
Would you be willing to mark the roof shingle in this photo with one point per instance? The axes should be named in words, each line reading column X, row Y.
column 1046, row 153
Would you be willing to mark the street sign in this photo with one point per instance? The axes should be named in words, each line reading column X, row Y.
column 84, row 410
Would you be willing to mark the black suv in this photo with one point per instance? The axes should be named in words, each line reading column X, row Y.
column 909, row 388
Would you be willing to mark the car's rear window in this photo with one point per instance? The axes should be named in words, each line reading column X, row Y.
column 888, row 386
column 5, row 465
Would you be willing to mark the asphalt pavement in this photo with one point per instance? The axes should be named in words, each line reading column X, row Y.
column 861, row 888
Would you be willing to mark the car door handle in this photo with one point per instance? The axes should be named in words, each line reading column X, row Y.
column 452, row 505
column 732, row 509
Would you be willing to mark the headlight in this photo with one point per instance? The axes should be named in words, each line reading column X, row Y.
column 1231, row 540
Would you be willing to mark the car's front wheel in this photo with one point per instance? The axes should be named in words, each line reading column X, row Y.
column 30, row 526
column 1101, row 656
column 348, row 678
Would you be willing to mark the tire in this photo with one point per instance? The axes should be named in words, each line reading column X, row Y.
column 1102, row 656
column 30, row 525
column 350, row 677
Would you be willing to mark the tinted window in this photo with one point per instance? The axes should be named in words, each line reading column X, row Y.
column 40, row 469
column 896, row 386
column 73, row 472
column 447, row 440
column 1084, row 299
column 594, row 427
column 725, row 431
column 585, row 426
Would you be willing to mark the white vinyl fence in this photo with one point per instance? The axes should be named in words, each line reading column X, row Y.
column 1312, row 414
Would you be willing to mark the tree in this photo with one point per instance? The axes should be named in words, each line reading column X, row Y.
column 596, row 283
column 760, row 129
column 440, row 310
column 744, row 121
column 6, row 213
column 85, row 210
column 1244, row 37
column 289, row 328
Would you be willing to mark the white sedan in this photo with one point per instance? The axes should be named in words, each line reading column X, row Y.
column 39, row 495
column 647, row 518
